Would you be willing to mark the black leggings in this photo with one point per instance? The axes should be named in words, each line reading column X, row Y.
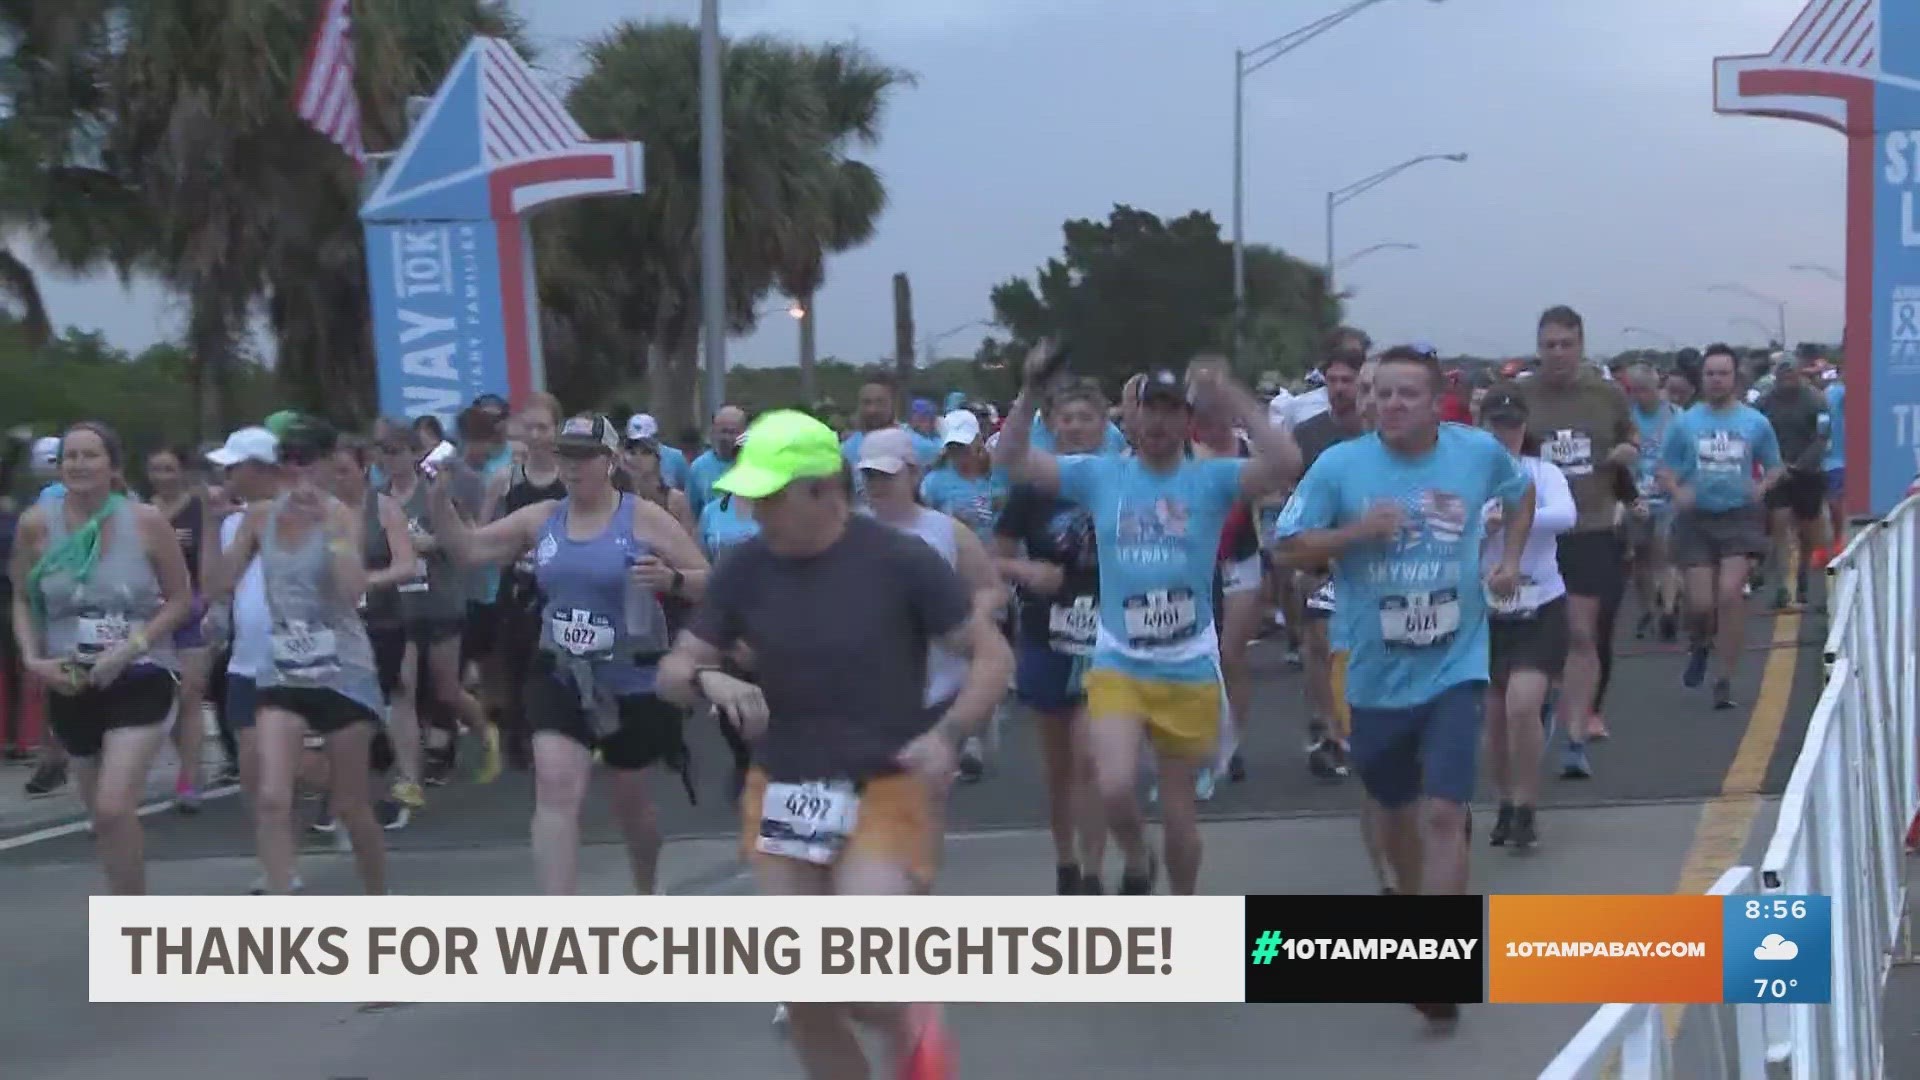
column 1603, row 644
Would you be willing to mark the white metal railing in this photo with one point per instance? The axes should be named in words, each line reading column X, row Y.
column 1850, row 802
column 1635, row 1036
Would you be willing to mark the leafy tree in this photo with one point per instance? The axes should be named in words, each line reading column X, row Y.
column 1135, row 292
column 168, row 124
column 622, row 280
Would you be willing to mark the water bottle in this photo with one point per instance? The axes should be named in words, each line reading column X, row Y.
column 646, row 620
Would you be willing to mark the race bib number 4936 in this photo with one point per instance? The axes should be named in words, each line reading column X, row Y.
column 809, row 821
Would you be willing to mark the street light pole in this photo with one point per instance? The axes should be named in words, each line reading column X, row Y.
column 1245, row 63
column 1827, row 272
column 713, row 238
column 1360, row 187
column 1779, row 306
column 1366, row 251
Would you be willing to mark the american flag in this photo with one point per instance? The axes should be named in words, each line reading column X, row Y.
column 324, row 95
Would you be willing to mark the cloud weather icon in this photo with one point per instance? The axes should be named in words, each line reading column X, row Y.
column 1775, row 947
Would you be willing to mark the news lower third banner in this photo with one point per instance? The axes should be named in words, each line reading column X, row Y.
column 1037, row 949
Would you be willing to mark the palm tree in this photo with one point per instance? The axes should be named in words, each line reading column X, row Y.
column 853, row 90
column 641, row 257
column 177, row 115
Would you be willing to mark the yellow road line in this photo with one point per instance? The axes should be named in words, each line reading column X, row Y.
column 1727, row 820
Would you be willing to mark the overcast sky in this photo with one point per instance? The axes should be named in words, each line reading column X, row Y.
column 1599, row 174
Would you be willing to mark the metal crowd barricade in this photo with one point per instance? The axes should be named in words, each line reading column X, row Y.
column 1850, row 803
column 1630, row 1041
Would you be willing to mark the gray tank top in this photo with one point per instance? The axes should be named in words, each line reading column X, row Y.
column 84, row 620
column 317, row 640
column 440, row 595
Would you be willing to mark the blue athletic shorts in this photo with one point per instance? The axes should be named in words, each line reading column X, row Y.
column 1047, row 681
column 1836, row 482
column 1431, row 750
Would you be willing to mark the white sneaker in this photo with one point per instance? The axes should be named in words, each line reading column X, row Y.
column 259, row 887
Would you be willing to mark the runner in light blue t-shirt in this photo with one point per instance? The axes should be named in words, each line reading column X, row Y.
column 1157, row 518
column 1399, row 514
column 729, row 424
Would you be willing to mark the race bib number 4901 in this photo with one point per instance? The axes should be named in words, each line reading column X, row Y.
column 1071, row 628
column 809, row 821
column 1161, row 617
column 1420, row 620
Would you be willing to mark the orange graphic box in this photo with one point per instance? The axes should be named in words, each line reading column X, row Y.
column 1523, row 932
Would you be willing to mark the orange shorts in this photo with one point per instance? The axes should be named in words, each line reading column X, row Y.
column 898, row 825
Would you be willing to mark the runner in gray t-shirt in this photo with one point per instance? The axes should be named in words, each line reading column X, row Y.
column 850, row 765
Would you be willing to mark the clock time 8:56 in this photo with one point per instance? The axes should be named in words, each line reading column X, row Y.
column 1776, row 909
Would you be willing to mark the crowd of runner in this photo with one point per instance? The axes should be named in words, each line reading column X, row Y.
column 1444, row 555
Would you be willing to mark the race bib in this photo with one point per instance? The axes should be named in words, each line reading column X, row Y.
column 1071, row 628
column 1161, row 617
column 1522, row 605
column 1649, row 486
column 1322, row 597
column 304, row 650
column 583, row 634
column 1420, row 620
column 1721, row 452
column 98, row 632
column 1570, row 450
column 809, row 821
column 418, row 583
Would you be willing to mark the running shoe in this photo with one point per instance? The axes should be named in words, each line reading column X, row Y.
column 46, row 780
column 408, row 794
column 972, row 768
column 1327, row 760
column 1669, row 628
column 1204, row 785
column 1781, row 601
column 1526, row 834
column 18, row 754
column 1502, row 826
column 185, row 799
column 1574, row 764
column 392, row 814
column 259, row 886
column 1067, row 880
column 1723, row 694
column 1696, row 672
column 1142, row 885
column 1442, row 1017
column 1237, row 767
column 1644, row 626
column 324, row 823
column 438, row 767
column 229, row 776
column 491, row 760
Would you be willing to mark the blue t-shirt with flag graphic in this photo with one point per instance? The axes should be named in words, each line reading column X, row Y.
column 1714, row 451
column 1412, row 610
column 974, row 501
column 1157, row 534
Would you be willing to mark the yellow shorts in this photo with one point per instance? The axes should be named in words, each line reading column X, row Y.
column 1183, row 718
column 1342, row 715
column 899, row 824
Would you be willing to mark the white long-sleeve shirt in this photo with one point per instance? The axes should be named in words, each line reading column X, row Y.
column 1553, row 513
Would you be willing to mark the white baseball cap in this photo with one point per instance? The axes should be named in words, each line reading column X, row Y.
column 247, row 444
column 642, row 426
column 46, row 453
column 889, row 451
column 959, row 428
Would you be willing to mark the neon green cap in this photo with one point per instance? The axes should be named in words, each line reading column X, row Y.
column 781, row 447
column 279, row 422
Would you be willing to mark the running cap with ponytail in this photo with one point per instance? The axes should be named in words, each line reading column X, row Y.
column 782, row 446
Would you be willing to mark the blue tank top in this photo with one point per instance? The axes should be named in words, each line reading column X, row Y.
column 584, row 583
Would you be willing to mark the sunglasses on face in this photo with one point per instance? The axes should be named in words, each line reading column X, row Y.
column 578, row 453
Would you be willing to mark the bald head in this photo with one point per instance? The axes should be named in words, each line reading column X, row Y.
column 728, row 425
